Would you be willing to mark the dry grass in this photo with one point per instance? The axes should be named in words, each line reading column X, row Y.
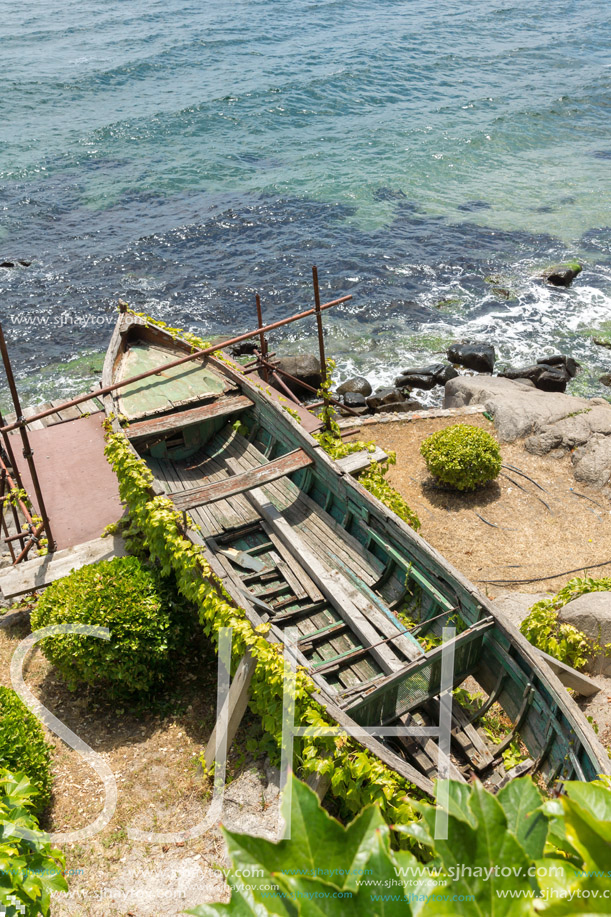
column 520, row 538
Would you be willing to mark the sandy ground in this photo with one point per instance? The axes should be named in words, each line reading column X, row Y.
column 504, row 533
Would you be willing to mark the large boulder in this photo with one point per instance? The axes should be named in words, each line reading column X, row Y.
column 305, row 367
column 358, row 384
column 562, row 275
column 591, row 614
column 515, row 606
column 518, row 408
column 479, row 357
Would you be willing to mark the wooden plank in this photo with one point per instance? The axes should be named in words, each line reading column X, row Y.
column 330, row 582
column 40, row 572
column 238, row 702
column 407, row 644
column 375, row 746
column 307, row 584
column 178, row 420
column 570, row 677
column 240, row 483
column 359, row 461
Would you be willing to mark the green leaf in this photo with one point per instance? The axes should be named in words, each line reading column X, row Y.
column 381, row 892
column 484, row 862
column 319, row 846
column 242, row 904
column 521, row 802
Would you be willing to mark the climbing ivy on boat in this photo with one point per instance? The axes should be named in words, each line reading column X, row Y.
column 196, row 342
column 373, row 478
column 357, row 777
column 561, row 640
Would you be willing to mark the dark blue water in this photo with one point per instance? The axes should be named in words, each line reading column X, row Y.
column 430, row 157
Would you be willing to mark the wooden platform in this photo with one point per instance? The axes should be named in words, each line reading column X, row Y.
column 80, row 489
column 42, row 571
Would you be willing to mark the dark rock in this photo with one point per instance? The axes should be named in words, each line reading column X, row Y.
column 357, row 384
column 7, row 264
column 446, row 373
column 305, row 367
column 560, row 359
column 605, row 379
column 354, row 400
column 399, row 407
column 524, row 372
column 426, row 377
column 550, row 381
column 24, row 263
column 479, row 357
column 244, row 348
column 416, row 378
column 360, row 410
column 384, row 396
column 548, row 378
column 562, row 275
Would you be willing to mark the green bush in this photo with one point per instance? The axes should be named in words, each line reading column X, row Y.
column 563, row 641
column 29, row 868
column 146, row 622
column 461, row 456
column 23, row 746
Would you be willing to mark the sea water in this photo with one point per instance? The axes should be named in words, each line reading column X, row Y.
column 432, row 158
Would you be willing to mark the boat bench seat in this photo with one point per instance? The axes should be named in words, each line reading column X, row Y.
column 222, row 407
column 239, row 483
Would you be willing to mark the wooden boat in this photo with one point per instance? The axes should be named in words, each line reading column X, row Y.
column 297, row 540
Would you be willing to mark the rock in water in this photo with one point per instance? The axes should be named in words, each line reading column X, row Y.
column 479, row 357
column 244, row 348
column 354, row 400
column 358, row 384
column 305, row 367
column 423, row 377
column 384, row 396
column 562, row 275
column 605, row 379
column 560, row 359
column 591, row 614
column 546, row 377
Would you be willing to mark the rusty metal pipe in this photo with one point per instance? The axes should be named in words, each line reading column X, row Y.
column 24, row 421
column 22, row 505
column 25, row 551
column 27, row 450
column 310, row 388
column 321, row 344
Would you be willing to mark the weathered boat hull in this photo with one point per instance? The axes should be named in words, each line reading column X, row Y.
column 295, row 539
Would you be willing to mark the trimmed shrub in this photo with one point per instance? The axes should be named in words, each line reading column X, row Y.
column 23, row 746
column 461, row 456
column 30, row 869
column 146, row 621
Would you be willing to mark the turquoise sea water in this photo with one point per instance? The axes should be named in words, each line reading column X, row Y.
column 430, row 157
